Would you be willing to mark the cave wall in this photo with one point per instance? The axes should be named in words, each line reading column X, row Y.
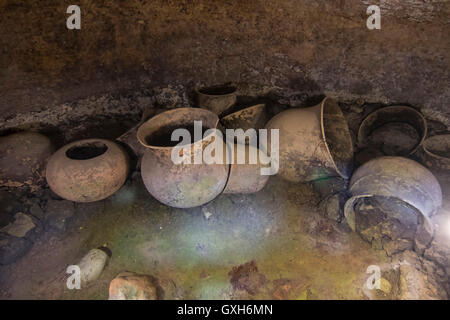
column 296, row 48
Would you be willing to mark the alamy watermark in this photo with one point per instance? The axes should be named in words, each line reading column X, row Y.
column 374, row 281
column 74, row 280
column 374, row 20
column 216, row 152
column 74, row 20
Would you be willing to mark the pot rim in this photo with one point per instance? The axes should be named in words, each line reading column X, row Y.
column 430, row 153
column 108, row 143
column 324, row 137
column 165, row 113
column 233, row 86
column 256, row 106
column 350, row 214
column 362, row 140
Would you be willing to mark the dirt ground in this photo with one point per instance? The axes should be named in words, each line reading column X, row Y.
column 270, row 245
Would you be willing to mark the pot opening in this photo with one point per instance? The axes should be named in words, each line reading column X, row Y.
column 386, row 220
column 405, row 123
column 337, row 137
column 163, row 136
column 86, row 151
column 438, row 145
column 406, row 138
column 218, row 90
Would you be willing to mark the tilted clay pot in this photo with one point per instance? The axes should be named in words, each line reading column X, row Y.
column 216, row 99
column 435, row 154
column 393, row 114
column 253, row 117
column 314, row 143
column 180, row 185
column 247, row 177
column 23, row 157
column 395, row 178
column 88, row 170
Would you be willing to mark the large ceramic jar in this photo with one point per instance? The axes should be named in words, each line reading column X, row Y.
column 87, row 170
column 181, row 185
column 397, row 179
column 314, row 143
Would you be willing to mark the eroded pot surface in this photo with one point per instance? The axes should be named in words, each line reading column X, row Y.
column 88, row 170
column 181, row 185
column 314, row 142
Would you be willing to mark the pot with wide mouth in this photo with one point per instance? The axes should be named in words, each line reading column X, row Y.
column 254, row 117
column 188, row 183
column 435, row 154
column 390, row 116
column 314, row 143
column 395, row 178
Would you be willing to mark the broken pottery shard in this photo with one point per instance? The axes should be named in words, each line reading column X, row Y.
column 20, row 227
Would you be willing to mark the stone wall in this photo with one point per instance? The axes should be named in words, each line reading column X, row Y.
column 295, row 48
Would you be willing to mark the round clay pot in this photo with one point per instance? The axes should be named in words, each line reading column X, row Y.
column 88, row 170
column 314, row 143
column 180, row 185
column 395, row 178
column 23, row 157
column 216, row 99
column 246, row 177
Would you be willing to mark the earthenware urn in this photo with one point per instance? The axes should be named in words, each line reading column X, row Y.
column 181, row 185
column 314, row 143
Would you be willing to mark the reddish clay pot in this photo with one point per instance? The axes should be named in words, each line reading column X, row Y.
column 23, row 157
column 180, row 185
column 87, row 170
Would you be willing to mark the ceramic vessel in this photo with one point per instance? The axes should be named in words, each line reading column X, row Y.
column 395, row 178
column 253, row 117
column 181, row 185
column 87, row 170
column 393, row 114
column 314, row 143
column 216, row 99
column 435, row 154
column 246, row 176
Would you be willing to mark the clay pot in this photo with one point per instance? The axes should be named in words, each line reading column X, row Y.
column 180, row 185
column 395, row 178
column 435, row 153
column 217, row 99
column 246, row 177
column 389, row 115
column 88, row 170
column 253, row 117
column 23, row 157
column 314, row 143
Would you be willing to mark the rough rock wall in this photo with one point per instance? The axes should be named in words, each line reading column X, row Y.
column 298, row 48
